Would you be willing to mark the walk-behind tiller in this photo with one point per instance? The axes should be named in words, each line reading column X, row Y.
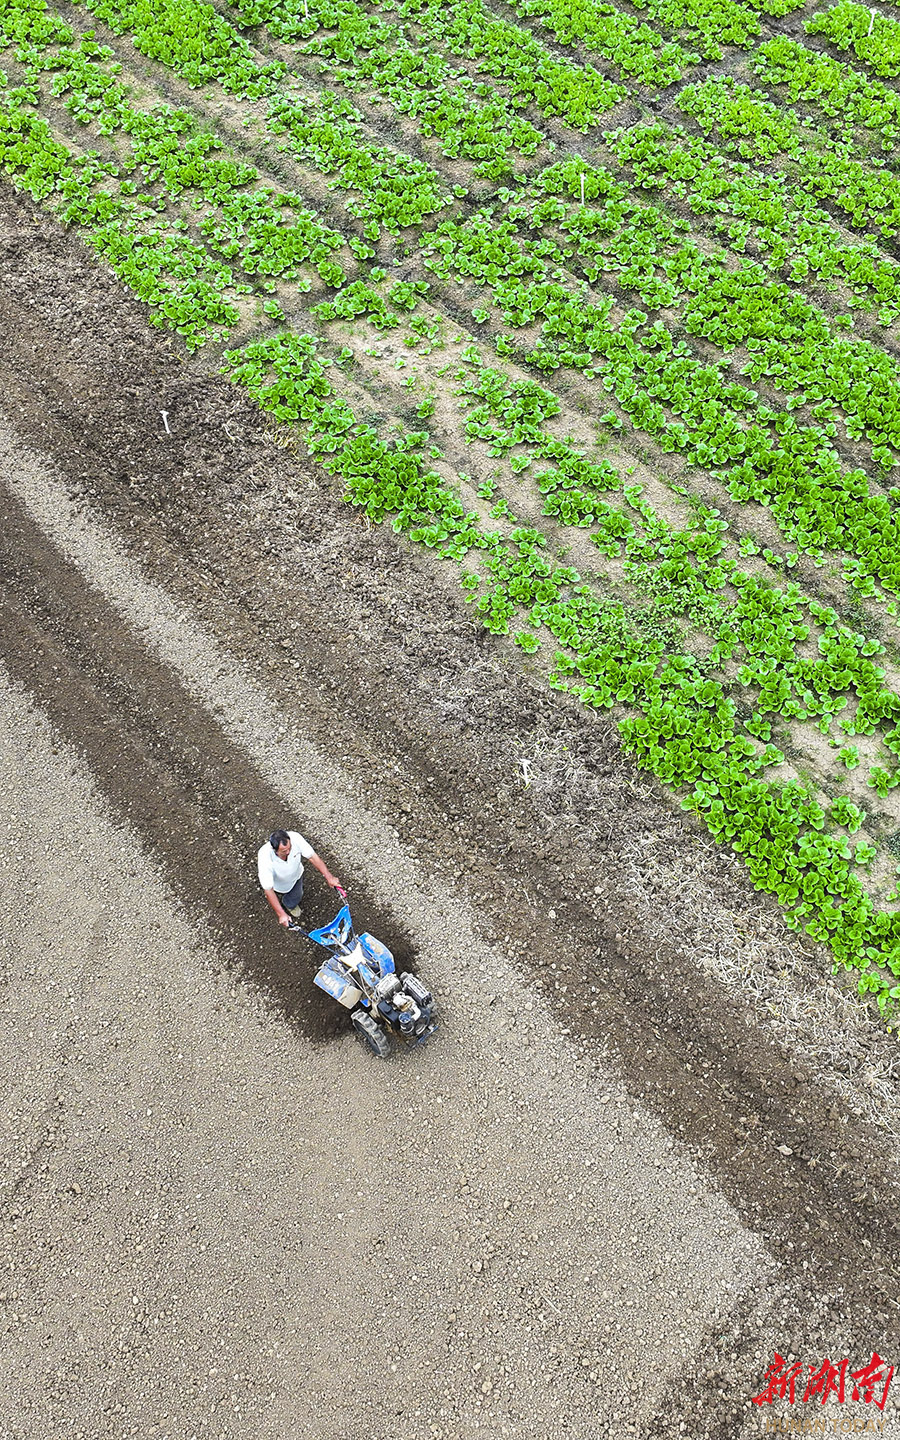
column 360, row 974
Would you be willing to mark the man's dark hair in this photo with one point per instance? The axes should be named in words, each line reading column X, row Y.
column 278, row 838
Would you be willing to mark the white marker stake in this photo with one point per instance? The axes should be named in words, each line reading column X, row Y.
column 871, row 25
column 582, row 187
column 165, row 415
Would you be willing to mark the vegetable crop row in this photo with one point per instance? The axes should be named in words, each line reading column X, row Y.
column 838, row 89
column 192, row 39
column 762, row 454
column 578, row 95
column 266, row 231
column 749, row 125
column 389, row 188
column 872, row 36
column 686, row 574
column 243, row 211
column 392, row 190
column 638, row 51
column 367, row 52
column 707, row 25
column 185, row 288
column 794, row 347
column 787, row 228
column 123, row 117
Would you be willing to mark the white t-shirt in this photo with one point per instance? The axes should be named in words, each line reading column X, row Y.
column 282, row 875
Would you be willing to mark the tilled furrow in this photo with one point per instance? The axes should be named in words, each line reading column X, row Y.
column 162, row 764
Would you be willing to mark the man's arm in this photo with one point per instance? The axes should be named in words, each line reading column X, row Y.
column 318, row 863
column 283, row 917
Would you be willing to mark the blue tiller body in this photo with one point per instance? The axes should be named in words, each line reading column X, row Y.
column 360, row 974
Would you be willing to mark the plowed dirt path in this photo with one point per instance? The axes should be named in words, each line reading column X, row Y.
column 220, row 1217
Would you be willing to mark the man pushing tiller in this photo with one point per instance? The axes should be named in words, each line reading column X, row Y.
column 359, row 971
column 280, row 869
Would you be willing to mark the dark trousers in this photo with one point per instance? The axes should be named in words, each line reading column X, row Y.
column 293, row 896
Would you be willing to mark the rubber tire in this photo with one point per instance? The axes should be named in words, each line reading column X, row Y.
column 373, row 1035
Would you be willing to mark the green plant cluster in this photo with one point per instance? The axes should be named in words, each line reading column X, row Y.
column 192, row 38
column 383, row 312
column 521, row 405
column 643, row 249
column 610, row 237
column 837, row 89
column 778, row 831
column 367, row 52
column 482, row 248
column 868, row 195
column 576, row 94
column 94, row 93
column 185, row 288
column 787, row 230
column 872, row 36
column 687, row 406
column 707, row 25
column 639, row 52
column 573, row 487
column 29, row 23
column 285, row 375
column 745, row 119
column 750, row 125
column 686, row 572
column 792, row 346
column 289, row 20
column 272, row 233
column 267, row 232
column 168, row 147
column 387, row 478
column 388, row 188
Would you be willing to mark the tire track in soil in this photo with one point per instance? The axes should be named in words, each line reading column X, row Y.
column 688, row 1051
column 165, row 766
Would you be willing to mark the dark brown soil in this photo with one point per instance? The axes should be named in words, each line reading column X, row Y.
column 427, row 712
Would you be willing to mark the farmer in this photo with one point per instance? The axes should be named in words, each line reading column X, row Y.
column 280, row 866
